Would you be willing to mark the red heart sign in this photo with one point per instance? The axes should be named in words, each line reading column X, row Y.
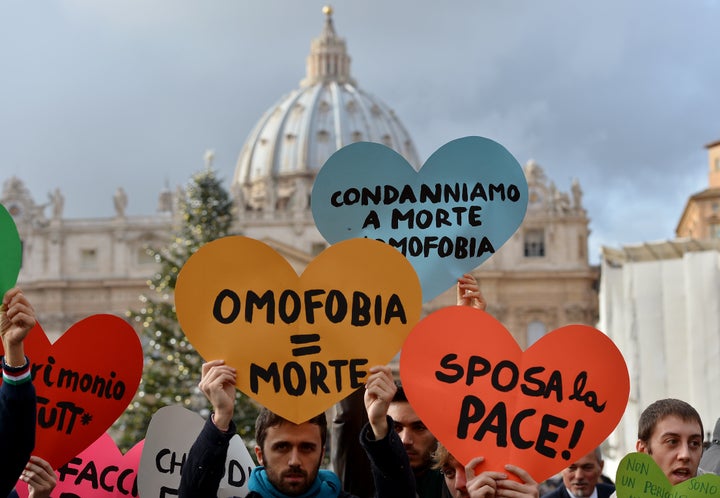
column 84, row 381
column 481, row 395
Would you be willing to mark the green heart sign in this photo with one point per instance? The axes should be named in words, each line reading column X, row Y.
column 11, row 251
column 639, row 476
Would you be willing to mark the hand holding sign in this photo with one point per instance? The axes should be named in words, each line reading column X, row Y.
column 80, row 393
column 466, row 201
column 481, row 395
column 37, row 478
column 639, row 475
column 299, row 344
column 11, row 250
column 170, row 435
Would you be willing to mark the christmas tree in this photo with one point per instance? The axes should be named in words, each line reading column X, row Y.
column 172, row 366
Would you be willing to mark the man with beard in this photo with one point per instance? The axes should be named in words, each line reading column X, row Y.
column 416, row 438
column 581, row 479
column 290, row 454
column 419, row 444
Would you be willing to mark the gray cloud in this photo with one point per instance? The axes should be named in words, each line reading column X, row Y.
column 621, row 95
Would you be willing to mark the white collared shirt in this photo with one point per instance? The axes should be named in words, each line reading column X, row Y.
column 593, row 495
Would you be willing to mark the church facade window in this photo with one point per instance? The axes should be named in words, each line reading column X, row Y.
column 323, row 136
column 534, row 243
column 88, row 259
column 715, row 231
column 535, row 331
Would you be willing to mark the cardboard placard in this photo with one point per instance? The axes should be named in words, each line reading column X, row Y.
column 170, row 435
column 84, row 381
column 299, row 344
column 481, row 395
column 465, row 202
column 638, row 476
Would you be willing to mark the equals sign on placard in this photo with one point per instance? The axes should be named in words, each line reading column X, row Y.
column 305, row 339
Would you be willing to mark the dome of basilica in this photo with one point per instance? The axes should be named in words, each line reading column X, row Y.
column 295, row 137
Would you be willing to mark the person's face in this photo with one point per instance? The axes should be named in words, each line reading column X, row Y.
column 676, row 446
column 291, row 455
column 582, row 476
column 418, row 440
column 455, row 477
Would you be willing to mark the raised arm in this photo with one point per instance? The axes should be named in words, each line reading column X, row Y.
column 17, row 318
column 379, row 391
column 468, row 293
column 17, row 394
column 205, row 464
column 389, row 462
column 218, row 385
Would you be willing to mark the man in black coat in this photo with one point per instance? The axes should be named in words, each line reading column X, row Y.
column 582, row 479
column 290, row 454
column 710, row 461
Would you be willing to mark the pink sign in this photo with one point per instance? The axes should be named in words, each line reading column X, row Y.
column 100, row 471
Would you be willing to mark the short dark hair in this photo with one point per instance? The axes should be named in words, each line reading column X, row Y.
column 662, row 408
column 399, row 395
column 267, row 419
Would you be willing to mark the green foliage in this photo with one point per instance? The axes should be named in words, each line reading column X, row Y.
column 172, row 366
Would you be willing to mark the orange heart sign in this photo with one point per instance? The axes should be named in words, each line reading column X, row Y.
column 299, row 344
column 481, row 395
column 84, row 381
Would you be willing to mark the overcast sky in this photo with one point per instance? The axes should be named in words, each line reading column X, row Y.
column 622, row 95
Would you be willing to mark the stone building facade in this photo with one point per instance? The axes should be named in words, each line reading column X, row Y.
column 539, row 280
column 701, row 217
column 660, row 304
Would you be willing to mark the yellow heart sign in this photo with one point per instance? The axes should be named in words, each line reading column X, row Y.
column 299, row 344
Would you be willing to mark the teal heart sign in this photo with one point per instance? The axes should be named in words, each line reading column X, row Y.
column 447, row 218
column 639, row 476
column 11, row 251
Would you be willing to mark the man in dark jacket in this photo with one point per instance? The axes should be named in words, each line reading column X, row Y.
column 290, row 454
column 710, row 461
column 582, row 479
column 420, row 445
column 17, row 394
